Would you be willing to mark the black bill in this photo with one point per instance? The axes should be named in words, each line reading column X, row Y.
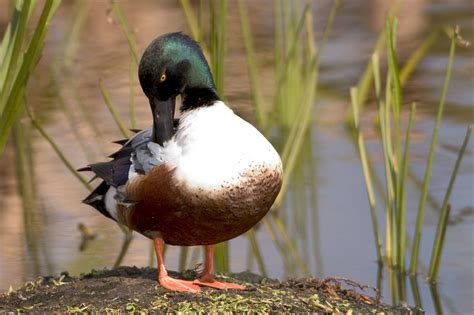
column 163, row 113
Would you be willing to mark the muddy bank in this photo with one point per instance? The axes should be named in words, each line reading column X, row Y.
column 129, row 289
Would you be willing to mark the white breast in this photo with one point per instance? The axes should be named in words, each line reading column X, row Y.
column 214, row 146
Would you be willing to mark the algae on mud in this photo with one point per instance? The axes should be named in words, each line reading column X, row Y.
column 132, row 289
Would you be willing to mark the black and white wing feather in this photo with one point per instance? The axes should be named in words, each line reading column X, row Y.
column 137, row 156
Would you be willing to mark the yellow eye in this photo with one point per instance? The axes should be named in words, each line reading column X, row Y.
column 163, row 77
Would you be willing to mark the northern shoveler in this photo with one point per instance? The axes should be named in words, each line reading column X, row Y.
column 200, row 180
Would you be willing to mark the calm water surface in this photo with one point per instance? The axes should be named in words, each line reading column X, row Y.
column 326, row 211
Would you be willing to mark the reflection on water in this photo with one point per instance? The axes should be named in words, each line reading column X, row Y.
column 325, row 213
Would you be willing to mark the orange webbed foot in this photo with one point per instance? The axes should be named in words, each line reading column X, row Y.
column 178, row 285
column 209, row 281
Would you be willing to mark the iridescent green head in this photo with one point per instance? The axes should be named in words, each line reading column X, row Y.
column 172, row 63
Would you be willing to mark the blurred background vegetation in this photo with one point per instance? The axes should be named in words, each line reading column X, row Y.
column 370, row 113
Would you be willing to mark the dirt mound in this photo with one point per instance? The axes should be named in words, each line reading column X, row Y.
column 132, row 289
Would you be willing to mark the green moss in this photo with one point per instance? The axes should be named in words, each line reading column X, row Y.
column 135, row 290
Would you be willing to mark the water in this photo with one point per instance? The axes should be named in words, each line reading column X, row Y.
column 326, row 211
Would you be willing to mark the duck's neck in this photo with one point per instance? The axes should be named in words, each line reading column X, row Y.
column 196, row 97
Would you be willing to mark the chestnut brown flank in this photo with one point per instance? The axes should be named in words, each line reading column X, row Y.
column 186, row 216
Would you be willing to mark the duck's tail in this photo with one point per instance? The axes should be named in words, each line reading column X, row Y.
column 96, row 199
column 114, row 173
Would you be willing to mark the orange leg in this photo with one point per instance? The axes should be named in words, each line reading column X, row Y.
column 166, row 281
column 206, row 277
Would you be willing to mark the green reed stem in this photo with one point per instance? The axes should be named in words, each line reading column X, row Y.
column 315, row 222
column 365, row 83
column 252, row 67
column 273, row 235
column 63, row 158
column 287, row 98
column 11, row 99
column 434, row 140
column 221, row 257
column 282, row 230
column 384, row 118
column 134, row 60
column 26, row 188
column 73, row 121
column 250, row 257
column 123, row 250
column 402, row 191
column 436, row 300
column 293, row 45
column 6, row 46
column 56, row 148
column 417, row 56
column 192, row 21
column 183, row 258
column 298, row 202
column 69, row 165
column 304, row 118
column 132, row 104
column 19, row 37
column 393, row 285
column 379, row 186
column 416, row 292
column 277, row 37
column 367, row 175
column 195, row 26
column 256, row 252
column 113, row 110
column 66, row 162
column 396, row 160
column 126, row 28
column 437, row 251
column 298, row 129
column 391, row 173
column 70, row 41
column 218, row 17
column 151, row 254
column 61, row 79
column 218, row 42
column 396, row 95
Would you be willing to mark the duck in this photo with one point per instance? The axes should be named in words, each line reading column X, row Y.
column 197, row 180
